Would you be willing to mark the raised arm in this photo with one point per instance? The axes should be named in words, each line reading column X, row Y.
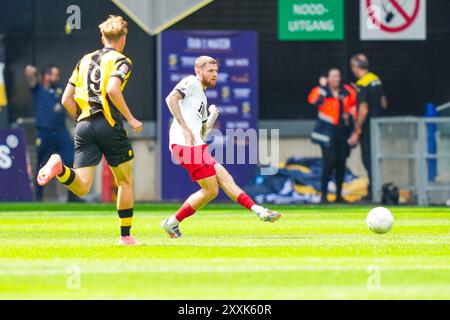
column 173, row 102
column 114, row 91
column 32, row 75
column 319, row 93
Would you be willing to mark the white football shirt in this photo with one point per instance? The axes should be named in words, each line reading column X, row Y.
column 193, row 109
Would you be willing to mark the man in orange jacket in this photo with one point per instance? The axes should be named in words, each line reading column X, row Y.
column 337, row 109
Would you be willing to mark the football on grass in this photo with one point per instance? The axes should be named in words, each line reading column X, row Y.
column 380, row 220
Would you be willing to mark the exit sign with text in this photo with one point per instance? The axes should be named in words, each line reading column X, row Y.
column 310, row 20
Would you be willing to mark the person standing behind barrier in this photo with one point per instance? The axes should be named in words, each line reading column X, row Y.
column 337, row 110
column 372, row 102
column 52, row 134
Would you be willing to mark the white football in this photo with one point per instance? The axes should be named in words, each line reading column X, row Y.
column 380, row 220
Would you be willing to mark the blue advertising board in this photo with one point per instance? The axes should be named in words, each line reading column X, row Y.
column 235, row 95
column 14, row 178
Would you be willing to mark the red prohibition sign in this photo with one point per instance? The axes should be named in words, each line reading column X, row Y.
column 409, row 19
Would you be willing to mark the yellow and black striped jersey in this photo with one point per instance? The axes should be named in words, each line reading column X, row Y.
column 90, row 79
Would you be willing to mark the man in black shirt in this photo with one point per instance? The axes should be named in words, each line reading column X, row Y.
column 372, row 103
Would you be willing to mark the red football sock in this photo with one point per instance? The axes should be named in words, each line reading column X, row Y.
column 185, row 211
column 245, row 200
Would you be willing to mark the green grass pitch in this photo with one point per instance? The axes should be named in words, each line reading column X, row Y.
column 69, row 252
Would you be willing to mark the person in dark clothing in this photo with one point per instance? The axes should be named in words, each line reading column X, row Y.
column 337, row 109
column 372, row 103
column 52, row 134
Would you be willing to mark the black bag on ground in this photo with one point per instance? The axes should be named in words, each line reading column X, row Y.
column 391, row 194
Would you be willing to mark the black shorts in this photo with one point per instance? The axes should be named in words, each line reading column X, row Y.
column 94, row 137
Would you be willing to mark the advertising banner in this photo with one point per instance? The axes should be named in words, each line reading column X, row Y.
column 14, row 179
column 235, row 95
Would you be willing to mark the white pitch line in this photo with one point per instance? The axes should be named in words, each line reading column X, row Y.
column 201, row 269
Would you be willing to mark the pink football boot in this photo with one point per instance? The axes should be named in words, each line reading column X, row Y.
column 52, row 168
column 128, row 241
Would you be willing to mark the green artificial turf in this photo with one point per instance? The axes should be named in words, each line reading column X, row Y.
column 57, row 251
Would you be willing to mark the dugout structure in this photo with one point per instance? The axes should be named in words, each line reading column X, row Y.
column 401, row 155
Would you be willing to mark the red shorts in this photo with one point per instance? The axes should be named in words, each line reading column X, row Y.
column 196, row 160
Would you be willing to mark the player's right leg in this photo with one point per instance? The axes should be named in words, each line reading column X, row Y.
column 65, row 148
column 209, row 190
column 78, row 181
column 87, row 156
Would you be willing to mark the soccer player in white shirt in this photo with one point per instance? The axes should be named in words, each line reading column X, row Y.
column 187, row 103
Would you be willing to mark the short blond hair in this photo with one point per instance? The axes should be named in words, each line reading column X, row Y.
column 114, row 28
column 202, row 61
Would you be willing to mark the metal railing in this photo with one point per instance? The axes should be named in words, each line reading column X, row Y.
column 400, row 155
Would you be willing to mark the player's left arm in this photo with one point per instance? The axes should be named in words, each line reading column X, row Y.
column 68, row 97
column 210, row 121
column 114, row 90
column 205, row 131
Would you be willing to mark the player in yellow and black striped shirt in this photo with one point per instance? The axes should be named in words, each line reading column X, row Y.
column 94, row 95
